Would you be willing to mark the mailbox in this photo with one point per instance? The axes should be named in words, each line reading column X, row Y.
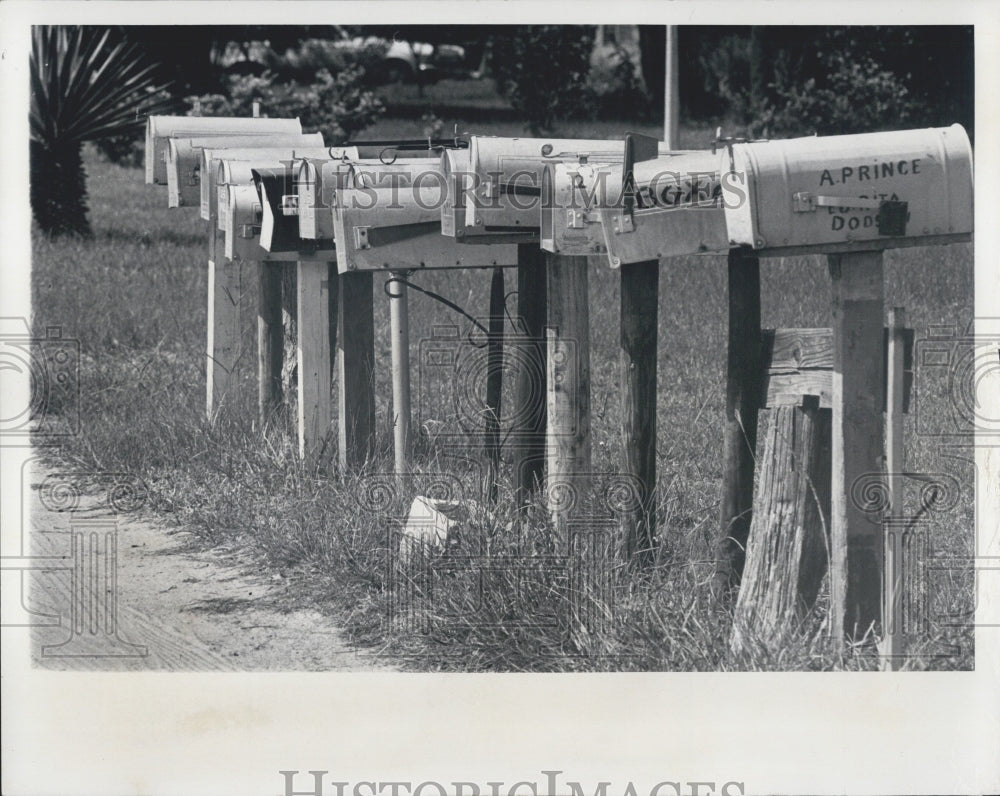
column 500, row 184
column 161, row 128
column 381, row 226
column 318, row 180
column 241, row 218
column 184, row 160
column 279, row 230
column 675, row 208
column 870, row 191
column 211, row 158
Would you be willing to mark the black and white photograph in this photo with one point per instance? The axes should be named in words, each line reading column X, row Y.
column 492, row 399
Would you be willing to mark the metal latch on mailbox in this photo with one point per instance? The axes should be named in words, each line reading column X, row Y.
column 890, row 219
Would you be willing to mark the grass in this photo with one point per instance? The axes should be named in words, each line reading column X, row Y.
column 134, row 297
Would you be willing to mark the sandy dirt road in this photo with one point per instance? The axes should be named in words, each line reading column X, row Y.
column 116, row 593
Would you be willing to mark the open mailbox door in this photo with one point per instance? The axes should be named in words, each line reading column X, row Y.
column 184, row 160
column 868, row 191
column 384, row 224
column 159, row 129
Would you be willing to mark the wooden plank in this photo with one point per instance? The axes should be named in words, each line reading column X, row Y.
column 892, row 582
column 289, row 311
column 859, row 247
column 786, row 549
column 313, row 358
column 568, row 454
column 637, row 361
column 528, row 423
column 494, row 382
column 856, row 540
column 799, row 362
column 270, row 340
column 743, row 367
column 356, row 369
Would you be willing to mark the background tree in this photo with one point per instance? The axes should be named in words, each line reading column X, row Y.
column 84, row 87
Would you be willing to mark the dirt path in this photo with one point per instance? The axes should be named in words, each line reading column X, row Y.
column 176, row 609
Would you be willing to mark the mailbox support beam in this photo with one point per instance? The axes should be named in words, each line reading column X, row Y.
column 313, row 358
column 856, row 555
column 740, row 431
column 637, row 359
column 356, row 369
column 567, row 385
column 528, row 431
column 399, row 333
column 270, row 340
column 224, row 333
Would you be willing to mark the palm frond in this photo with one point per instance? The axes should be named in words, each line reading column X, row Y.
column 85, row 86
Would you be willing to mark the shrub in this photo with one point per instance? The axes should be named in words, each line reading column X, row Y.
column 542, row 70
column 617, row 91
column 319, row 83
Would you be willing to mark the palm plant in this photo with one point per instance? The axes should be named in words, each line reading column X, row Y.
column 84, row 87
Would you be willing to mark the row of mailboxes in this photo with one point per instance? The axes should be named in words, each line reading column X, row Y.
column 582, row 197
column 184, row 159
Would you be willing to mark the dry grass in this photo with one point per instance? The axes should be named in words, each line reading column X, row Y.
column 503, row 600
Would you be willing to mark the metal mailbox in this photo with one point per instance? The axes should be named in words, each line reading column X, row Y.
column 184, row 160
column 211, row 158
column 241, row 219
column 279, row 232
column 318, row 181
column 869, row 191
column 675, row 208
column 399, row 229
column 498, row 182
column 159, row 129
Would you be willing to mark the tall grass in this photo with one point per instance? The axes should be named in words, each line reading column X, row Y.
column 515, row 594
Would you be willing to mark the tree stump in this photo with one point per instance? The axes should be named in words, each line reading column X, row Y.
column 786, row 554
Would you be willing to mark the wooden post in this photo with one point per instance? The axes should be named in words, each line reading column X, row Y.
column 289, row 311
column 892, row 595
column 356, row 369
column 528, row 422
column 858, row 374
column 671, row 93
column 568, row 384
column 224, row 333
column 494, row 382
column 269, row 340
column 743, row 367
column 333, row 309
column 637, row 358
column 313, row 358
column 399, row 333
column 787, row 547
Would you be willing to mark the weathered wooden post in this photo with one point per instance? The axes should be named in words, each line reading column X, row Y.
column 568, row 454
column 637, row 360
column 494, row 383
column 313, row 357
column 270, row 339
column 356, row 369
column 529, row 416
column 743, row 365
column 858, row 373
column 224, row 348
column 892, row 582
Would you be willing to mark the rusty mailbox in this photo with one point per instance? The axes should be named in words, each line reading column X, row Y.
column 184, row 160
column 836, row 193
column 383, row 222
column 159, row 129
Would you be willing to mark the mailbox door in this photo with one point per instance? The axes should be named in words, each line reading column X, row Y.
column 846, row 191
column 242, row 223
column 161, row 128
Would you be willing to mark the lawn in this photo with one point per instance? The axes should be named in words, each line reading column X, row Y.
column 134, row 297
